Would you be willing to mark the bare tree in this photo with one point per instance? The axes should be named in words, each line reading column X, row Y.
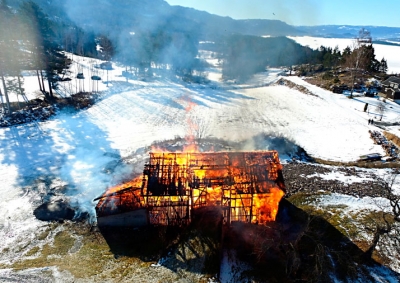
column 381, row 108
column 358, row 58
column 387, row 225
column 202, row 126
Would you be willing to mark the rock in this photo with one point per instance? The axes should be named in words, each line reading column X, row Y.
column 54, row 211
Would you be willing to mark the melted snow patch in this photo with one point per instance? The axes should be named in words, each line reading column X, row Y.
column 340, row 176
column 354, row 204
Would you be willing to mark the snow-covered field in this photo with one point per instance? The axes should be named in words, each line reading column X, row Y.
column 389, row 52
column 73, row 149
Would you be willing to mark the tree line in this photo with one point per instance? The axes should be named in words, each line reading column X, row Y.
column 244, row 55
column 32, row 40
column 27, row 42
column 167, row 49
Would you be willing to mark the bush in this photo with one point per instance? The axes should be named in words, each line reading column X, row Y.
column 327, row 76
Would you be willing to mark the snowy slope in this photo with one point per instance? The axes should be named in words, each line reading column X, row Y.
column 72, row 152
column 77, row 146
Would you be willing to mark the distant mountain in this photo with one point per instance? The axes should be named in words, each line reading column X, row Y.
column 112, row 17
column 212, row 25
column 108, row 16
column 345, row 31
column 153, row 15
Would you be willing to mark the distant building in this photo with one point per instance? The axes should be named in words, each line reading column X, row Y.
column 391, row 89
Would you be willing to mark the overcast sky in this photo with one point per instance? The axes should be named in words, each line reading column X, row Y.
column 304, row 12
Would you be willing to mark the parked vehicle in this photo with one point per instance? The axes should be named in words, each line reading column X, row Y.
column 370, row 157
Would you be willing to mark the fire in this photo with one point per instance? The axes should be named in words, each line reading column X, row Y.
column 248, row 186
column 192, row 127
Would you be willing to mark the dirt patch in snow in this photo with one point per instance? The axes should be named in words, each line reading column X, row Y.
column 309, row 178
column 292, row 85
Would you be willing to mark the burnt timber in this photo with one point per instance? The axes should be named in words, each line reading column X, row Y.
column 246, row 186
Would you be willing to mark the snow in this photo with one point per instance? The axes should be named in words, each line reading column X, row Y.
column 77, row 145
column 335, row 175
column 327, row 126
column 76, row 148
column 381, row 274
column 354, row 204
column 389, row 52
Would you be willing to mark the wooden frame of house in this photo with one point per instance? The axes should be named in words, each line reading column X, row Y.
column 391, row 89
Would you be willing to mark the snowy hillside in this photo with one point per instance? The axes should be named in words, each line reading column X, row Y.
column 77, row 146
column 81, row 153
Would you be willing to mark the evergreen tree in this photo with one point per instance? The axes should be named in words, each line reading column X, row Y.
column 47, row 52
column 245, row 55
column 372, row 64
column 346, row 53
column 337, row 56
column 8, row 49
column 106, row 48
column 182, row 51
column 383, row 67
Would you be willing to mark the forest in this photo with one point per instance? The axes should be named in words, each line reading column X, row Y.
column 245, row 55
column 31, row 39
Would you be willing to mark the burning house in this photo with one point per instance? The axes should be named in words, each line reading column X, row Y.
column 245, row 186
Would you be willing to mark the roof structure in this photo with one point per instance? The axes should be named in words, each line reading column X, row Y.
column 248, row 186
column 391, row 79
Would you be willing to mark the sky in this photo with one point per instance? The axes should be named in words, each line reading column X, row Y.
column 304, row 12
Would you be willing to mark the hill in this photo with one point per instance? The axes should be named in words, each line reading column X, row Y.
column 114, row 16
column 107, row 16
column 77, row 154
column 346, row 31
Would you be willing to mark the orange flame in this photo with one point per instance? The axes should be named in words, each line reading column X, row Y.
column 249, row 185
column 192, row 127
